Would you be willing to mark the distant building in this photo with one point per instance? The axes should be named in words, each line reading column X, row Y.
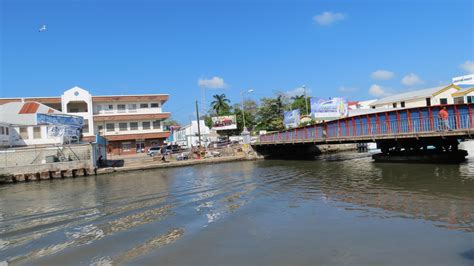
column 461, row 90
column 187, row 136
column 419, row 98
column 130, row 123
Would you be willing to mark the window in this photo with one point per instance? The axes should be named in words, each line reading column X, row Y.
column 143, row 105
column 126, row 146
column 37, row 132
column 428, row 101
column 2, row 130
column 108, row 108
column 101, row 130
column 394, row 105
column 154, row 105
column 85, row 128
column 146, row 125
column 443, row 101
column 121, row 108
column 23, row 133
column 156, row 124
column 123, row 127
column 110, row 127
column 7, row 131
column 373, row 107
column 469, row 99
column 458, row 100
column 99, row 108
column 132, row 108
column 402, row 104
column 133, row 125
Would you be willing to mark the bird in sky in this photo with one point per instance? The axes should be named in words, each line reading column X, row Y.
column 42, row 28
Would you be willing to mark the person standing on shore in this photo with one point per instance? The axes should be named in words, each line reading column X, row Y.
column 443, row 118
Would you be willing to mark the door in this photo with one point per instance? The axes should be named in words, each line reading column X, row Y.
column 140, row 146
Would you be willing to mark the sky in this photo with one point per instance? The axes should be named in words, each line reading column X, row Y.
column 359, row 50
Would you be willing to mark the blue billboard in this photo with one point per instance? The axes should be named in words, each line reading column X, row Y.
column 329, row 109
column 291, row 118
column 57, row 119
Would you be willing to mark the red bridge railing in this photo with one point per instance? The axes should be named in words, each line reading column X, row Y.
column 396, row 122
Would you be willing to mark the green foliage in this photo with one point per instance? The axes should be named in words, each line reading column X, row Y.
column 220, row 105
column 270, row 114
column 299, row 103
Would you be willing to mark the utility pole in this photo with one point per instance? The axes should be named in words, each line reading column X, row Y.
column 199, row 126
column 305, row 99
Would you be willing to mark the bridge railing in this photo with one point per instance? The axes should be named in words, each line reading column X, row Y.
column 397, row 122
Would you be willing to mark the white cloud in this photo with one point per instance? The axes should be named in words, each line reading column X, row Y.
column 411, row 80
column 327, row 18
column 213, row 83
column 379, row 91
column 382, row 75
column 468, row 66
column 297, row 92
column 344, row 89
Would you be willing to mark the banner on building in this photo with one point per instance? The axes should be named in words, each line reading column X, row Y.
column 328, row 109
column 56, row 119
column 227, row 122
column 64, row 131
column 291, row 118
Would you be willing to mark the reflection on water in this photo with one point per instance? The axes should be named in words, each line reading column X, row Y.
column 126, row 217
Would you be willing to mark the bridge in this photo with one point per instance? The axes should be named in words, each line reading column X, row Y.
column 399, row 133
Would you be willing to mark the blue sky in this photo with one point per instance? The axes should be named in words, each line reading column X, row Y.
column 355, row 49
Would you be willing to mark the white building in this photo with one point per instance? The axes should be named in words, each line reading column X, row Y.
column 32, row 123
column 130, row 123
column 419, row 98
column 187, row 136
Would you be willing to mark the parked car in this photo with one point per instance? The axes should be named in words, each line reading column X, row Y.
column 153, row 151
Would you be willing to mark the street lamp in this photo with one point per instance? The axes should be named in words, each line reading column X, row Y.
column 245, row 132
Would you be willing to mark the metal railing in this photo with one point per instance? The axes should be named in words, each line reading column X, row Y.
column 380, row 124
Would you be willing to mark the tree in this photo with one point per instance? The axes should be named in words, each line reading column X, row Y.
column 220, row 104
column 299, row 103
column 270, row 114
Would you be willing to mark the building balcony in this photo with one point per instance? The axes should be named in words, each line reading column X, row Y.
column 130, row 117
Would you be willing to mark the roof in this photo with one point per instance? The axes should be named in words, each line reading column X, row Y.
column 23, row 113
column 25, row 108
column 464, row 91
column 47, row 100
column 411, row 95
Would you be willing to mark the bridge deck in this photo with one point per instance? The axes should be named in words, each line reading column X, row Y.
column 411, row 123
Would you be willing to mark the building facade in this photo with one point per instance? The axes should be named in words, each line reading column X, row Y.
column 130, row 123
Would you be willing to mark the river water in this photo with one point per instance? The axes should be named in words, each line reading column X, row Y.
column 341, row 209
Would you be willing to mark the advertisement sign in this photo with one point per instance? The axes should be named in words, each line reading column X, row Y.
column 55, row 119
column 328, row 109
column 291, row 118
column 226, row 122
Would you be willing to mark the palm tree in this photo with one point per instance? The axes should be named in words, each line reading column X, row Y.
column 220, row 103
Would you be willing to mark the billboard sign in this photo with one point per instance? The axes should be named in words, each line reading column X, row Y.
column 291, row 118
column 329, row 109
column 226, row 122
column 57, row 119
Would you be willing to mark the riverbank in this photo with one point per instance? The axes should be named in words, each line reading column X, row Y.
column 156, row 164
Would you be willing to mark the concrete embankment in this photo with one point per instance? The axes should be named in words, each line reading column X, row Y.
column 158, row 164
